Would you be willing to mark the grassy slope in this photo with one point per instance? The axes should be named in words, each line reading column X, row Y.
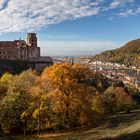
column 121, row 126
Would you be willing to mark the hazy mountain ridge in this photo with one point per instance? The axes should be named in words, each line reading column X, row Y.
column 129, row 54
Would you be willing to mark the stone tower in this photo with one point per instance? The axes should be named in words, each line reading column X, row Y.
column 31, row 39
column 33, row 49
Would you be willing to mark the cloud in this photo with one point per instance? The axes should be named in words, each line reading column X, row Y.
column 74, row 48
column 2, row 4
column 117, row 3
column 129, row 12
column 114, row 4
column 28, row 15
column 31, row 14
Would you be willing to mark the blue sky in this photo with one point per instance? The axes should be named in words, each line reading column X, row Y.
column 71, row 27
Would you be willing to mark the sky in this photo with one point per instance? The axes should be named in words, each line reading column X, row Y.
column 71, row 27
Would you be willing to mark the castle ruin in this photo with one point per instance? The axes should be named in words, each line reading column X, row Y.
column 26, row 52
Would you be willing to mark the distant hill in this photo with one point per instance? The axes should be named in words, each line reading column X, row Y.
column 129, row 54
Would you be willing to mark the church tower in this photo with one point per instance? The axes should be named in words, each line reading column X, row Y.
column 31, row 39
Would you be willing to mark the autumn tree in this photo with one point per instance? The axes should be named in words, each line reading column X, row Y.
column 113, row 100
column 110, row 100
column 39, row 99
column 124, row 101
column 73, row 93
column 4, row 84
column 16, row 101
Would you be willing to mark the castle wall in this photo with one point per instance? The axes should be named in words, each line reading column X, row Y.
column 17, row 66
column 9, row 53
column 34, row 52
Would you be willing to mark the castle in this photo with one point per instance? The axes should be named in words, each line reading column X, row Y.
column 20, row 49
column 24, row 51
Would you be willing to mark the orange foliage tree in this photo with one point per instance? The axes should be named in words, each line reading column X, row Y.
column 73, row 94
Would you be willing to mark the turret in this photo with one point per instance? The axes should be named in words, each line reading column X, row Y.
column 31, row 39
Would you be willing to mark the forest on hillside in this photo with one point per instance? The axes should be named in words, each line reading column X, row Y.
column 129, row 54
column 64, row 96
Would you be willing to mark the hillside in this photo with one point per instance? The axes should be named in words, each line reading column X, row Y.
column 129, row 54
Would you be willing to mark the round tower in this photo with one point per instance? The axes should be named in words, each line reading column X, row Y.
column 31, row 39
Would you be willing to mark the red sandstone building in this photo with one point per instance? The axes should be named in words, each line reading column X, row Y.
column 20, row 49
